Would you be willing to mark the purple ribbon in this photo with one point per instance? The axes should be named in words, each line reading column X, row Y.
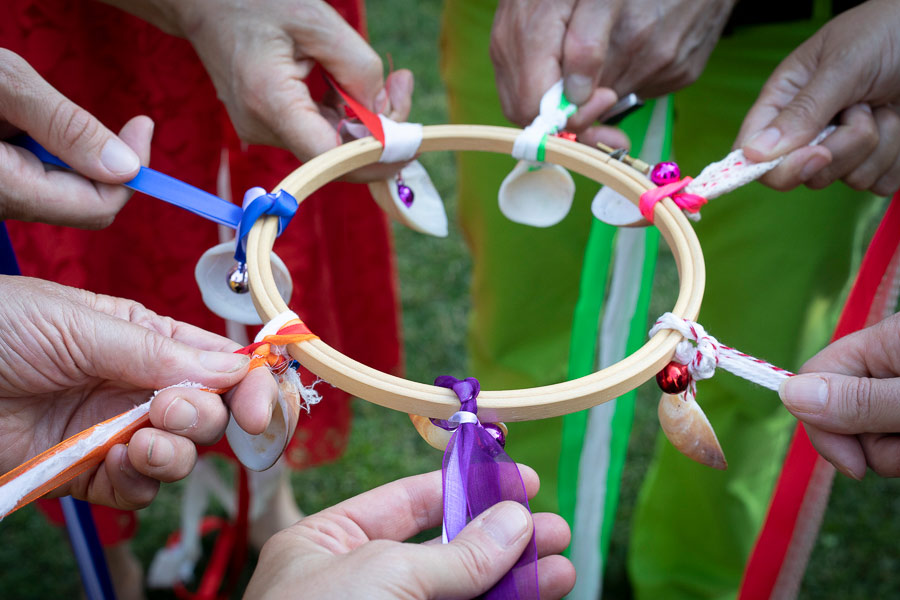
column 477, row 475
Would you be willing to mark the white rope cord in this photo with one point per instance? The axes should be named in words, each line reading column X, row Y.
column 705, row 354
column 735, row 170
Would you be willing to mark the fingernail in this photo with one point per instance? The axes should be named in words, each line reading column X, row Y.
column 804, row 393
column 813, row 166
column 118, row 158
column 846, row 471
column 180, row 415
column 764, row 141
column 224, row 362
column 160, row 451
column 505, row 524
column 578, row 88
column 381, row 100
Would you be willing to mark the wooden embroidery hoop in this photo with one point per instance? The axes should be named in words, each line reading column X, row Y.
column 506, row 405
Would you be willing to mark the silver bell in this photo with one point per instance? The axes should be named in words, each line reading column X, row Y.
column 238, row 279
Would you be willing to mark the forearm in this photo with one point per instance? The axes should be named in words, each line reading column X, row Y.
column 171, row 16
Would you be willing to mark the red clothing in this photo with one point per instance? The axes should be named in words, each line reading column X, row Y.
column 338, row 246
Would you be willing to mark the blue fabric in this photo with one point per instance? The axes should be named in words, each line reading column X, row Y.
column 280, row 204
column 156, row 184
column 8, row 263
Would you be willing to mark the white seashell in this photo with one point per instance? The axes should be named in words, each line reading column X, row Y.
column 426, row 214
column 211, row 274
column 688, row 429
column 536, row 194
column 613, row 208
column 260, row 452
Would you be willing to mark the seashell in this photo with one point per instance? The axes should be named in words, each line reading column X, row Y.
column 212, row 274
column 262, row 451
column 614, row 209
column 425, row 214
column 536, row 194
column 437, row 437
column 688, row 429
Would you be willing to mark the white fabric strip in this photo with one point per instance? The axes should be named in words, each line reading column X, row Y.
column 276, row 323
column 463, row 416
column 552, row 118
column 735, row 170
column 401, row 140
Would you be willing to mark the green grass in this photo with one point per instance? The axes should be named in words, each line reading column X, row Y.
column 853, row 558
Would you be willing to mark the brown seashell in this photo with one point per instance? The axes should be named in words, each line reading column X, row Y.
column 436, row 437
column 688, row 429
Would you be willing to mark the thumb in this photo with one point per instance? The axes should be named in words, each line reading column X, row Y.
column 479, row 556
column 120, row 351
column 28, row 102
column 842, row 403
column 798, row 101
column 350, row 60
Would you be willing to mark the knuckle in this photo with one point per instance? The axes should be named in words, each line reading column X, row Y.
column 804, row 108
column 475, row 564
column 855, row 400
column 72, row 127
column 584, row 53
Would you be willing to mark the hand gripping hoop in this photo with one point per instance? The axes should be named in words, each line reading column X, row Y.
column 507, row 405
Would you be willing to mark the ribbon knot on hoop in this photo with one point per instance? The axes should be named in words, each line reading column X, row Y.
column 256, row 204
column 690, row 203
column 708, row 354
column 555, row 110
column 478, row 474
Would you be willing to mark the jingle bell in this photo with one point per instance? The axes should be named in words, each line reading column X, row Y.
column 238, row 279
column 496, row 432
column 674, row 378
column 665, row 172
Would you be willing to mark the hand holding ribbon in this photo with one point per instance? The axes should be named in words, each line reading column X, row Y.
column 477, row 474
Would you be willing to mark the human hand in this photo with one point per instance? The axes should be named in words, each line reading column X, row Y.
column 840, row 74
column 849, row 400
column 355, row 549
column 70, row 359
column 89, row 197
column 598, row 47
column 258, row 55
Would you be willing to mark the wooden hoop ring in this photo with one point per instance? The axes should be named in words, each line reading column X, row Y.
column 506, row 405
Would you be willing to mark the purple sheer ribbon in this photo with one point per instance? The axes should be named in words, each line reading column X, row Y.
column 477, row 475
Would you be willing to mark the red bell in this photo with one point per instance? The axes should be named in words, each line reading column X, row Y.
column 674, row 378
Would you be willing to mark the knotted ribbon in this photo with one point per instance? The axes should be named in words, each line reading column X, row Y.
column 478, row 474
column 690, row 203
column 256, row 204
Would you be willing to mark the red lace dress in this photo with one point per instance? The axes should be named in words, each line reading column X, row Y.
column 338, row 247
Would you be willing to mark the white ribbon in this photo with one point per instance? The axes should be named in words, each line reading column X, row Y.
column 554, row 113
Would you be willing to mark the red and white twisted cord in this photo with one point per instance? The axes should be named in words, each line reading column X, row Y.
column 702, row 353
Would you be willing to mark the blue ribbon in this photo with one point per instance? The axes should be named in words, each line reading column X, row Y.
column 280, row 204
column 478, row 474
column 159, row 185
